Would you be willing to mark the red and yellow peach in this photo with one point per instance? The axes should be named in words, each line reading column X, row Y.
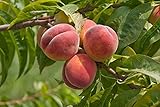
column 100, row 42
column 60, row 42
column 79, row 71
column 85, row 26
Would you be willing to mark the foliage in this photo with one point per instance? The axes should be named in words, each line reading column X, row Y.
column 136, row 62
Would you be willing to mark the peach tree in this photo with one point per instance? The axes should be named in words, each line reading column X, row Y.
column 109, row 51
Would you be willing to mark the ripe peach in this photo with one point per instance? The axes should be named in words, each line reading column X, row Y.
column 40, row 32
column 155, row 15
column 85, row 26
column 60, row 42
column 100, row 42
column 66, row 81
column 79, row 71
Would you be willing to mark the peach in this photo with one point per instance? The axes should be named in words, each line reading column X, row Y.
column 60, row 42
column 100, row 42
column 67, row 82
column 79, row 71
column 85, row 26
column 40, row 32
column 155, row 15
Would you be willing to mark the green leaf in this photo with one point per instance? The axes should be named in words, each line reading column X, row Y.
column 137, row 79
column 39, row 103
column 154, row 48
column 132, row 26
column 121, row 99
column 107, row 95
column 31, row 48
column 43, row 60
column 117, row 16
column 128, row 51
column 57, row 100
column 96, row 96
column 77, row 19
column 86, row 95
column 67, row 96
column 21, row 49
column 4, row 67
column 49, row 101
column 144, row 44
column 34, row 9
column 7, row 44
column 7, row 11
column 107, row 80
column 142, row 64
column 150, row 99
column 96, row 18
column 68, row 9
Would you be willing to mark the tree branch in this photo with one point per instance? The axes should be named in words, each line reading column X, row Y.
column 43, row 21
column 117, row 76
column 20, row 101
column 26, row 98
column 111, row 71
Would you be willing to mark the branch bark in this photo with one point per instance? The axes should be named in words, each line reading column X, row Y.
column 25, row 99
column 117, row 76
column 111, row 71
column 20, row 101
column 43, row 21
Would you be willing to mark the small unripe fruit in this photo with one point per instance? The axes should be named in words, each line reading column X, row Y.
column 100, row 42
column 60, row 42
column 85, row 26
column 155, row 15
column 79, row 71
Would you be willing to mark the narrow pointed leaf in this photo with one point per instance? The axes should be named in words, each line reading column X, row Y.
column 31, row 48
column 132, row 26
column 34, row 9
column 150, row 99
column 143, row 64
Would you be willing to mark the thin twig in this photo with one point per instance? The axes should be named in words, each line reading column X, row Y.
column 111, row 71
column 20, row 101
column 26, row 98
column 117, row 76
column 43, row 21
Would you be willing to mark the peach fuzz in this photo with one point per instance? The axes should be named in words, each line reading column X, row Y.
column 100, row 42
column 66, row 81
column 60, row 42
column 85, row 26
column 80, row 71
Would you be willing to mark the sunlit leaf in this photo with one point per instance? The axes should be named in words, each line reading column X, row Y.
column 142, row 64
column 150, row 99
column 144, row 45
column 34, row 9
column 31, row 48
column 8, row 11
column 117, row 16
column 122, row 98
column 132, row 26
column 21, row 49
